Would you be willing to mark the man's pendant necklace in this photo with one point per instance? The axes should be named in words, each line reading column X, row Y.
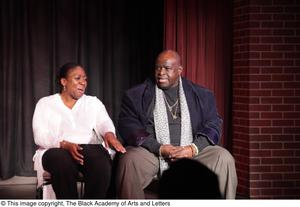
column 170, row 108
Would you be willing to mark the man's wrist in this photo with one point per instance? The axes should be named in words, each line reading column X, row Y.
column 195, row 150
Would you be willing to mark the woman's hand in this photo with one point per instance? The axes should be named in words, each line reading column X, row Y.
column 110, row 140
column 74, row 150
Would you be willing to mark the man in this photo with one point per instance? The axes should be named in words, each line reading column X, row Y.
column 165, row 120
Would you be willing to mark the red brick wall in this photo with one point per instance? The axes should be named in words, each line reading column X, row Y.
column 266, row 97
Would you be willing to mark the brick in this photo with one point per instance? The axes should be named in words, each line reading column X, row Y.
column 271, row 9
column 282, row 77
column 260, row 16
column 292, row 176
column 255, row 192
column 292, row 191
column 276, row 161
column 282, row 92
column 260, row 184
column 271, row 176
column 292, row 24
column 272, row 192
column 292, row 160
column 271, row 24
column 292, row 55
column 285, row 184
column 271, row 85
column 241, row 143
column 256, row 107
column 283, row 32
column 260, row 168
column 254, row 146
column 282, row 137
column 292, row 40
column 283, row 2
column 270, row 145
column 260, row 153
column 258, row 48
column 281, row 108
column 254, row 9
column 282, row 168
column 260, row 123
column 283, row 47
column 271, row 100
column 254, row 176
column 260, row 92
column 271, row 55
column 282, row 123
column 271, row 130
column 259, row 77
column 254, row 161
column 241, row 129
column 261, row 3
column 259, row 62
column 260, row 137
column 271, row 70
column 282, row 153
column 271, row 115
column 282, row 62
column 272, row 39
column 292, row 9
column 253, row 130
column 240, row 92
column 292, row 146
column 243, row 182
column 291, row 115
column 291, row 130
column 291, row 85
column 292, row 70
column 292, row 100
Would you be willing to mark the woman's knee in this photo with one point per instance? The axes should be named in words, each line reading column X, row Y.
column 57, row 158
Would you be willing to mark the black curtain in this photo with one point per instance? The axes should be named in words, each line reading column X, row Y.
column 116, row 41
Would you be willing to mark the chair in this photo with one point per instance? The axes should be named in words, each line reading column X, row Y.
column 40, row 192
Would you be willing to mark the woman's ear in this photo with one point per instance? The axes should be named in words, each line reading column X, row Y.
column 63, row 82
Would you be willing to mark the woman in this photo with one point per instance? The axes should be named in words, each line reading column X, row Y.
column 67, row 127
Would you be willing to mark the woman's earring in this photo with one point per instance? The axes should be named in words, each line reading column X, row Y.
column 64, row 88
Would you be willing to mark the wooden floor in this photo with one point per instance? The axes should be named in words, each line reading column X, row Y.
column 25, row 188
column 18, row 188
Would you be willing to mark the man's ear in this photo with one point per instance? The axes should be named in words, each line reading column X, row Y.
column 180, row 69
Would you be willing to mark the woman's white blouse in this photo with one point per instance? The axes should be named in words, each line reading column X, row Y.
column 85, row 123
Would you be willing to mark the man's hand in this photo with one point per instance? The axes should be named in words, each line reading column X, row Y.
column 110, row 140
column 73, row 150
column 172, row 153
column 181, row 152
column 166, row 150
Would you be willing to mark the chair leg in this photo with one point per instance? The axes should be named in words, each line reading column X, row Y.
column 81, row 189
column 39, row 193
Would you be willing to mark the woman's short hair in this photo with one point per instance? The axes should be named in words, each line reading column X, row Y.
column 64, row 70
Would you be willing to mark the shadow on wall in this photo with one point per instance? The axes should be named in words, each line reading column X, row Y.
column 188, row 179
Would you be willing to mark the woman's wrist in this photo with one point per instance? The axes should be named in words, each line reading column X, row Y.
column 63, row 144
